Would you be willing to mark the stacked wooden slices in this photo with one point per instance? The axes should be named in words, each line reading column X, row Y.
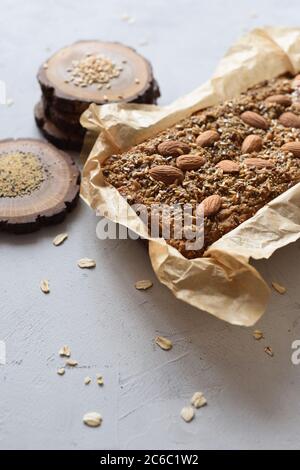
column 84, row 73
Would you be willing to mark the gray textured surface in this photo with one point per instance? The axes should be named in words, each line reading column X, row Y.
column 253, row 399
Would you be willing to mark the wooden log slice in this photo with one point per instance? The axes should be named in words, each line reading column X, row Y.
column 67, row 122
column 58, row 137
column 135, row 82
column 38, row 185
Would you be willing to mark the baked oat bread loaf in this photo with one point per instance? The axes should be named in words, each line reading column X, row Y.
column 232, row 159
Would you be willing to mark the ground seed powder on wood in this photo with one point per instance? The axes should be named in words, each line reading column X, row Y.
column 20, row 174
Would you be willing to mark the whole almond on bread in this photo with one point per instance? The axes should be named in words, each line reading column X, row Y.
column 254, row 120
column 173, row 148
column 228, row 166
column 166, row 174
column 293, row 147
column 290, row 120
column 211, row 205
column 252, row 143
column 284, row 100
column 190, row 162
column 258, row 163
column 207, row 138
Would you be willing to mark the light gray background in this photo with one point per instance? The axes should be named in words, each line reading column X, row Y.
column 253, row 399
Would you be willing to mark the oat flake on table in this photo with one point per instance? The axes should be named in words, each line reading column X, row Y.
column 71, row 363
column 92, row 419
column 65, row 351
column 100, row 380
column 198, row 400
column 44, row 285
column 187, row 413
column 268, row 350
column 257, row 334
column 143, row 285
column 163, row 343
column 86, row 263
column 279, row 288
column 59, row 239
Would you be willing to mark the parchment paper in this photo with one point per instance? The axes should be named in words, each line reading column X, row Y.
column 223, row 282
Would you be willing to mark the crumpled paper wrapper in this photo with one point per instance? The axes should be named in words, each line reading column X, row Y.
column 223, row 282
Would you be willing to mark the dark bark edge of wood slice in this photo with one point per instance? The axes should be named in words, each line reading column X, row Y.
column 67, row 122
column 49, row 204
column 53, row 134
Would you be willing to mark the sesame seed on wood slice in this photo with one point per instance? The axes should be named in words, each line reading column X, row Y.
column 37, row 194
column 70, row 78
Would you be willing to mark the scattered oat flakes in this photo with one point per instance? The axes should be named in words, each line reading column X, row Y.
column 187, row 413
column 44, row 285
column 143, row 43
column 92, row 419
column 198, row 400
column 65, row 351
column 59, row 239
column 45, row 65
column 86, row 263
column 71, row 363
column 61, row 371
column 164, row 343
column 268, row 350
column 100, row 380
column 87, row 380
column 143, row 285
column 279, row 288
column 257, row 334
